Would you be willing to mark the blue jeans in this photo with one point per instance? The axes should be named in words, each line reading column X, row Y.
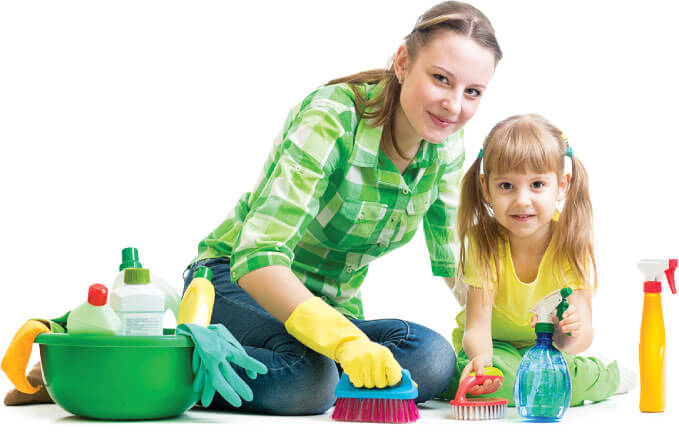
column 301, row 381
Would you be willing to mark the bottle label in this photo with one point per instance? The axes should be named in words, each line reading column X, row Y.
column 141, row 323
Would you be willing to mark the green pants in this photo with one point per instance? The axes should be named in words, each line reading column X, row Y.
column 591, row 379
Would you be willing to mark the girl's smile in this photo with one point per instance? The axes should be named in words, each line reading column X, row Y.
column 522, row 217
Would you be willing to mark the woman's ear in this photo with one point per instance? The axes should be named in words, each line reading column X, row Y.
column 401, row 62
column 564, row 185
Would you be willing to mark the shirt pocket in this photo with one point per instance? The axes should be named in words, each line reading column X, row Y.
column 416, row 209
column 360, row 220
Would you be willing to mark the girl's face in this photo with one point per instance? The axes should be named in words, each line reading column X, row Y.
column 524, row 203
column 442, row 88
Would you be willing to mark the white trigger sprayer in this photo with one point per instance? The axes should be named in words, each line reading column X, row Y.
column 554, row 303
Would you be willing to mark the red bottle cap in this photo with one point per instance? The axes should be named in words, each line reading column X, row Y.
column 97, row 295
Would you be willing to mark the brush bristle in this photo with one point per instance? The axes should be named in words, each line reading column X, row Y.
column 479, row 412
column 375, row 410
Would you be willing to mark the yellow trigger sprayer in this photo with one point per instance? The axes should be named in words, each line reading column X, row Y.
column 652, row 342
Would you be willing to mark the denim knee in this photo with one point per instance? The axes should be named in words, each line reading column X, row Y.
column 431, row 361
column 306, row 388
column 298, row 385
column 443, row 363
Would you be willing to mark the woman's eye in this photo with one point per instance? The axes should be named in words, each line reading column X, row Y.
column 441, row 78
column 473, row 92
column 537, row 185
column 505, row 186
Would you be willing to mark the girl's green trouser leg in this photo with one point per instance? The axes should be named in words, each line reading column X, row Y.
column 591, row 379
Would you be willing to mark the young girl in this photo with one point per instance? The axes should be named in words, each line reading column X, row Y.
column 519, row 248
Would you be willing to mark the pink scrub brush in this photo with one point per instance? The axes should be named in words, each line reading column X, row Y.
column 380, row 405
column 478, row 408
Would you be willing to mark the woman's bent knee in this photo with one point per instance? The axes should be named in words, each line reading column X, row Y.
column 305, row 390
column 431, row 362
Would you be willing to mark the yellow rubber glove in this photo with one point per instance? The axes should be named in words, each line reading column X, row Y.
column 321, row 328
column 19, row 351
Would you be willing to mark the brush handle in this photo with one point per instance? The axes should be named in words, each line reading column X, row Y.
column 470, row 382
column 406, row 389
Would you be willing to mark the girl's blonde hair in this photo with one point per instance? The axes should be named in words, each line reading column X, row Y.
column 461, row 18
column 526, row 143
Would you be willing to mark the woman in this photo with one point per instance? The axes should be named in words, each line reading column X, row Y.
column 359, row 163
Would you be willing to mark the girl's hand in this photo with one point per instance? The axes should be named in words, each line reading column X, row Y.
column 477, row 365
column 569, row 325
column 571, row 322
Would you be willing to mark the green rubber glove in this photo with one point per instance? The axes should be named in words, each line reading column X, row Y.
column 215, row 348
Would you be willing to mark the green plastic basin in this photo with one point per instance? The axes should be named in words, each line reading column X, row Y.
column 117, row 377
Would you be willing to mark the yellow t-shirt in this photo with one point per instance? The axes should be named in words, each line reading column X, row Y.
column 513, row 298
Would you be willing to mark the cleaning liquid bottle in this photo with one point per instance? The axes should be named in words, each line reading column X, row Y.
column 139, row 304
column 652, row 338
column 130, row 259
column 94, row 316
column 196, row 305
column 542, row 388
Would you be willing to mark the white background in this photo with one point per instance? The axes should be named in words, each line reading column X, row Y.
column 140, row 123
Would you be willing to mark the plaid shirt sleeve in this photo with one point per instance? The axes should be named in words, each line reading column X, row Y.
column 440, row 219
column 288, row 198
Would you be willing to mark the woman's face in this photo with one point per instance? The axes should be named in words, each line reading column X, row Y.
column 443, row 86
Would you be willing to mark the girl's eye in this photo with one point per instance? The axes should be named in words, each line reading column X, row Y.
column 505, row 186
column 537, row 185
column 473, row 92
column 441, row 78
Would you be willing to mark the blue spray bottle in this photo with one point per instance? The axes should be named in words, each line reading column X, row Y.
column 542, row 388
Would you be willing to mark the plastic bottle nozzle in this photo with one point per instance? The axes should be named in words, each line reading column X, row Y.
column 653, row 270
column 547, row 306
column 130, row 259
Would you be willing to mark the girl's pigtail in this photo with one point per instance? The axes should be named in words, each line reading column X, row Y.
column 474, row 225
column 575, row 225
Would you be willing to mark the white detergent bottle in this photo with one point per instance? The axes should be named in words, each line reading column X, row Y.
column 130, row 259
column 139, row 304
column 94, row 316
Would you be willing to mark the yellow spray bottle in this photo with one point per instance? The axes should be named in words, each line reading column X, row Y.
column 196, row 305
column 652, row 341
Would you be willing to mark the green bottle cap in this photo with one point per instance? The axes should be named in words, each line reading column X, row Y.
column 544, row 327
column 203, row 272
column 130, row 259
column 137, row 276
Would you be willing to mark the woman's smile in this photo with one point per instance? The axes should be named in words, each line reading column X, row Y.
column 441, row 121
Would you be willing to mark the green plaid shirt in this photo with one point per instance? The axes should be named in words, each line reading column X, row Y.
column 329, row 201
